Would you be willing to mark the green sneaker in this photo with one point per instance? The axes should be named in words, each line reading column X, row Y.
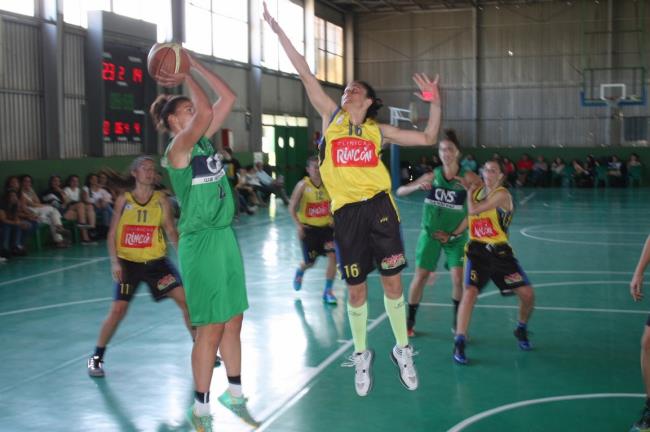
column 238, row 406
column 200, row 424
column 643, row 425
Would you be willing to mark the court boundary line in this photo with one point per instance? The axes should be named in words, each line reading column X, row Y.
column 49, row 272
column 525, row 233
column 485, row 414
column 274, row 412
column 482, row 295
column 547, row 308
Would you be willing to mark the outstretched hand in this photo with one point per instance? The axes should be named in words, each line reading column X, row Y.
column 429, row 91
column 269, row 19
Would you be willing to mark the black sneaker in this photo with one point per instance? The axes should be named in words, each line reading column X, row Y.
column 643, row 425
column 459, row 352
column 522, row 339
column 95, row 367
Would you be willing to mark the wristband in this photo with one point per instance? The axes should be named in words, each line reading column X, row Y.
column 452, row 237
column 427, row 96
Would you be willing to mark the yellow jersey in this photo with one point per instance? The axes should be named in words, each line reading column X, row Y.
column 490, row 226
column 314, row 206
column 350, row 163
column 139, row 235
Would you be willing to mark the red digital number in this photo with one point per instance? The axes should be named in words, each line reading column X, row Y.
column 107, row 128
column 127, row 128
column 119, row 128
column 136, row 128
column 136, row 75
column 108, row 71
column 121, row 73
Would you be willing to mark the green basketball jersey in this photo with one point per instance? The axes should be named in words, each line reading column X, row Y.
column 445, row 206
column 202, row 190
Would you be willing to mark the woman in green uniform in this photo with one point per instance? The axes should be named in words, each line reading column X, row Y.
column 444, row 225
column 209, row 256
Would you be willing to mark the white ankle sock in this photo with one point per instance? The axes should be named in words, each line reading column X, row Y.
column 201, row 409
column 235, row 390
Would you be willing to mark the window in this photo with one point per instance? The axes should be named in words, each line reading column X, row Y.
column 291, row 18
column 23, row 7
column 154, row 11
column 329, row 51
column 218, row 28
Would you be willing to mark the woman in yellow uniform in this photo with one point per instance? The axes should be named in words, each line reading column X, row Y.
column 488, row 255
column 366, row 223
column 138, row 253
column 310, row 210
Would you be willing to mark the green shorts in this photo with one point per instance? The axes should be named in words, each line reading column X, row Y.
column 213, row 275
column 428, row 251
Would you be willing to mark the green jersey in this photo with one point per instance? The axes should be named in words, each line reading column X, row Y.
column 202, row 189
column 445, row 206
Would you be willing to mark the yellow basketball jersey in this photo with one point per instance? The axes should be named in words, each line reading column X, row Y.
column 314, row 207
column 139, row 234
column 351, row 167
column 490, row 226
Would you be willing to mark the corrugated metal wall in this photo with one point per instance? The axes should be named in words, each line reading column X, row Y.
column 74, row 94
column 21, row 92
column 529, row 60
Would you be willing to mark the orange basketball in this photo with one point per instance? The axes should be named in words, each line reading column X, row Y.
column 168, row 57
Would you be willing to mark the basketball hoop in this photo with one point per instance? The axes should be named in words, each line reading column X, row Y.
column 400, row 114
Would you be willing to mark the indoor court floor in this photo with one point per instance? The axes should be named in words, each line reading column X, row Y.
column 579, row 248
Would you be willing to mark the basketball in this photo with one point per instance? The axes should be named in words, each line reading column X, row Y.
column 168, row 57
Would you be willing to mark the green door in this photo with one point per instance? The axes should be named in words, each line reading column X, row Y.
column 291, row 143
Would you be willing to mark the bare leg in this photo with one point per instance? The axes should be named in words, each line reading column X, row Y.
column 178, row 295
column 526, row 302
column 417, row 285
column 330, row 271
column 230, row 346
column 645, row 359
column 465, row 309
column 115, row 316
column 204, row 351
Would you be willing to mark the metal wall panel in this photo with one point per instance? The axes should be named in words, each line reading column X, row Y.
column 21, row 117
column 529, row 61
column 21, row 97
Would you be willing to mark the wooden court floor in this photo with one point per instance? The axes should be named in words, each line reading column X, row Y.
column 579, row 248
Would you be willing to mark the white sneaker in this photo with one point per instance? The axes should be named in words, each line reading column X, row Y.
column 403, row 359
column 362, row 363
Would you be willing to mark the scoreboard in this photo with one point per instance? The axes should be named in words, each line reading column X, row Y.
column 123, row 75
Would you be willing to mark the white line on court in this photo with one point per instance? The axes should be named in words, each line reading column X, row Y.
column 60, row 305
column 49, row 272
column 525, row 233
column 50, row 370
column 320, row 278
column 548, row 308
column 527, row 198
column 271, row 414
column 480, row 416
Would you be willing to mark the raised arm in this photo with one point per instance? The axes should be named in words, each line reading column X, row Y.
column 227, row 97
column 429, row 93
column 421, row 183
column 317, row 96
column 183, row 142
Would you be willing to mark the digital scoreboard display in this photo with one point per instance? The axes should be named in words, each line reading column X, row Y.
column 123, row 74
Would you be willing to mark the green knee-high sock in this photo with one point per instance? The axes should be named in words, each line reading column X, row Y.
column 358, row 317
column 397, row 316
